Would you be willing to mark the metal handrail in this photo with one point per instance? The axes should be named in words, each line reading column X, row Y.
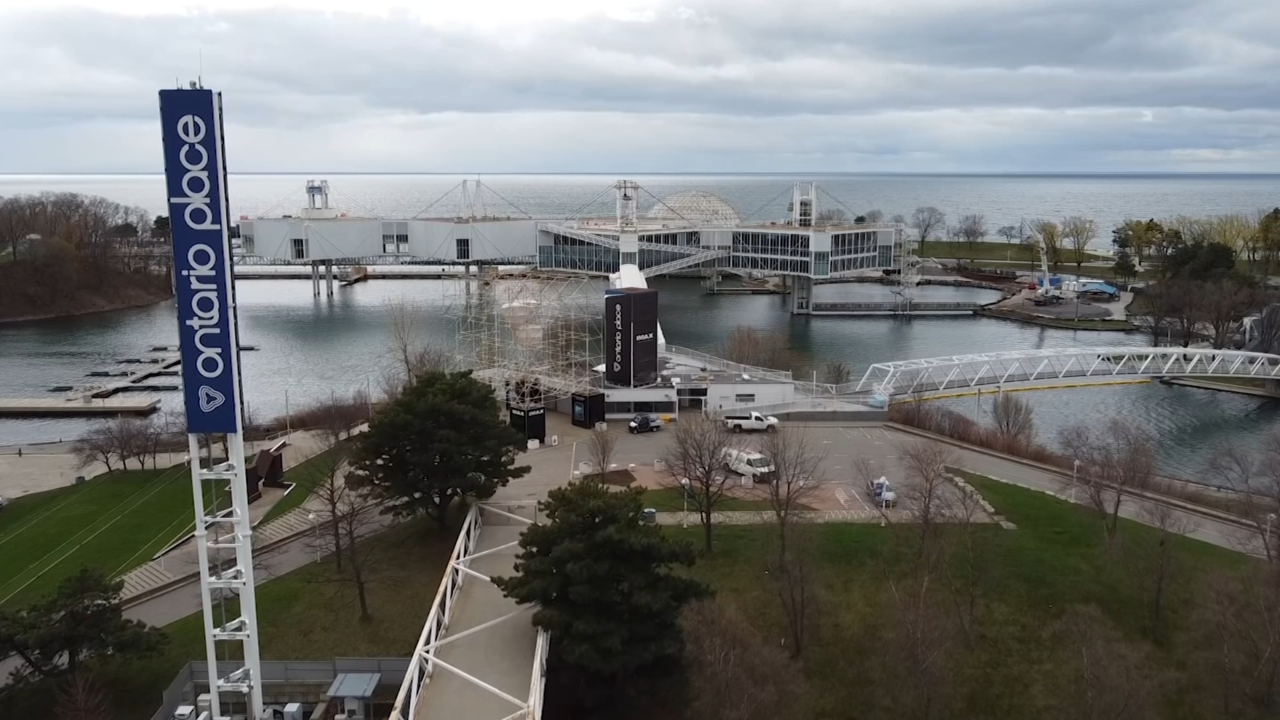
column 419, row 673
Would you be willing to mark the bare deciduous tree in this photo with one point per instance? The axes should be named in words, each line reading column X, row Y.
column 736, row 673
column 874, row 215
column 926, row 463
column 697, row 453
column 965, row 566
column 748, row 346
column 1014, row 421
column 972, row 228
column 796, row 462
column 1078, row 232
column 413, row 357
column 1008, row 232
column 1107, row 676
column 1242, row 612
column 836, row 372
column 832, row 216
column 795, row 583
column 600, row 449
column 1225, row 304
column 1114, row 460
column 928, row 221
column 1161, row 564
column 356, row 521
column 94, row 446
column 331, row 491
column 1256, row 479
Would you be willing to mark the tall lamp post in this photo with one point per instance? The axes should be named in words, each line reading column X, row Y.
column 1075, row 469
column 684, row 517
column 316, row 525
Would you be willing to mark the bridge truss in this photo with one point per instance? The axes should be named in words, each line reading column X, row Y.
column 932, row 375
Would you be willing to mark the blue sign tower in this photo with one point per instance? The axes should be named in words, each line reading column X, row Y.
column 195, row 178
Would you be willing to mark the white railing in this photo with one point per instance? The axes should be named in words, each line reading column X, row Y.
column 1035, row 366
column 423, row 661
column 538, row 681
column 422, row 664
column 716, row 363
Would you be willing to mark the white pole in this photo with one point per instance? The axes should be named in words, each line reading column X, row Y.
column 287, row 429
column 315, row 524
column 201, row 536
column 1075, row 469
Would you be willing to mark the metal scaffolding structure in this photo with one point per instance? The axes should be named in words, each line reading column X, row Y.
column 538, row 327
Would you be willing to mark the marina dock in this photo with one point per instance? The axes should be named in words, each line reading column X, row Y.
column 81, row 406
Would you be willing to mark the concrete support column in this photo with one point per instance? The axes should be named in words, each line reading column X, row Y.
column 315, row 279
column 328, row 277
column 1273, row 387
column 801, row 294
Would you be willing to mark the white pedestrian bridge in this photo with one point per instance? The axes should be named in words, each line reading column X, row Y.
column 931, row 376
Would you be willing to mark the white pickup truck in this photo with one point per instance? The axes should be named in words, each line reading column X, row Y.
column 753, row 421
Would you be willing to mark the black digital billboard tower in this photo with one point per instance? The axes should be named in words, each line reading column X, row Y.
column 631, row 337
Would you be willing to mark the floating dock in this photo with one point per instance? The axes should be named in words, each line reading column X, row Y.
column 895, row 308
column 82, row 406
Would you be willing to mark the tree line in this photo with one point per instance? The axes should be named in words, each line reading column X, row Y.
column 55, row 247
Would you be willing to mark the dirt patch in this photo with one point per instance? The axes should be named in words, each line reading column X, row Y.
column 620, row 478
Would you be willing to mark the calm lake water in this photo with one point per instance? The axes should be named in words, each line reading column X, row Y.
column 312, row 346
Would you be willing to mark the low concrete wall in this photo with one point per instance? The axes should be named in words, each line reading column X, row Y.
column 863, row 416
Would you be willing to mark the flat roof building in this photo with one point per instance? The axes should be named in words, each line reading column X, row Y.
column 688, row 232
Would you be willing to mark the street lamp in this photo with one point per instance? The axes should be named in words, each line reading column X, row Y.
column 684, row 517
column 1075, row 468
column 316, row 525
column 1266, row 536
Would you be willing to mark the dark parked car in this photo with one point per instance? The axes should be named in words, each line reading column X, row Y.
column 644, row 423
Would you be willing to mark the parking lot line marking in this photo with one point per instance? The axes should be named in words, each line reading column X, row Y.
column 863, row 503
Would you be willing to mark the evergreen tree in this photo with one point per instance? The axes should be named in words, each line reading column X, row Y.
column 81, row 621
column 605, row 590
column 441, row 439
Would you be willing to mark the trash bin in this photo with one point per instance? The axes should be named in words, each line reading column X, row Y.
column 650, row 516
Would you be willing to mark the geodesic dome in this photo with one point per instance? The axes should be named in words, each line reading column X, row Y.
column 700, row 208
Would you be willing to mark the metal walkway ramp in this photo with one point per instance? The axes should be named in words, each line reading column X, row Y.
column 479, row 656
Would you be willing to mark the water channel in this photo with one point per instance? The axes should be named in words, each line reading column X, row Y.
column 312, row 346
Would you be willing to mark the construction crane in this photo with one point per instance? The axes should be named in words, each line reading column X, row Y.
column 1046, row 294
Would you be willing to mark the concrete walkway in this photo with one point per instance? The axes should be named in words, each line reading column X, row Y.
column 52, row 465
column 182, row 562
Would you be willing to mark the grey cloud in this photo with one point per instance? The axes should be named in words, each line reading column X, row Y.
column 290, row 67
column 710, row 85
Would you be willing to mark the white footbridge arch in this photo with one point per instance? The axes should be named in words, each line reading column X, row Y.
column 931, row 376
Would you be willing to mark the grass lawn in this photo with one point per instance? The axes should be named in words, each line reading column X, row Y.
column 113, row 522
column 1055, row 559
column 305, row 476
column 672, row 500
column 303, row 615
column 992, row 251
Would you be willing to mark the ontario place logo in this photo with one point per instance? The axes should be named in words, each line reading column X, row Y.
column 202, row 261
column 210, row 399
column 617, row 337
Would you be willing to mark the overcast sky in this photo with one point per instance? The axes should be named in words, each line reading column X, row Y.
column 652, row 86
